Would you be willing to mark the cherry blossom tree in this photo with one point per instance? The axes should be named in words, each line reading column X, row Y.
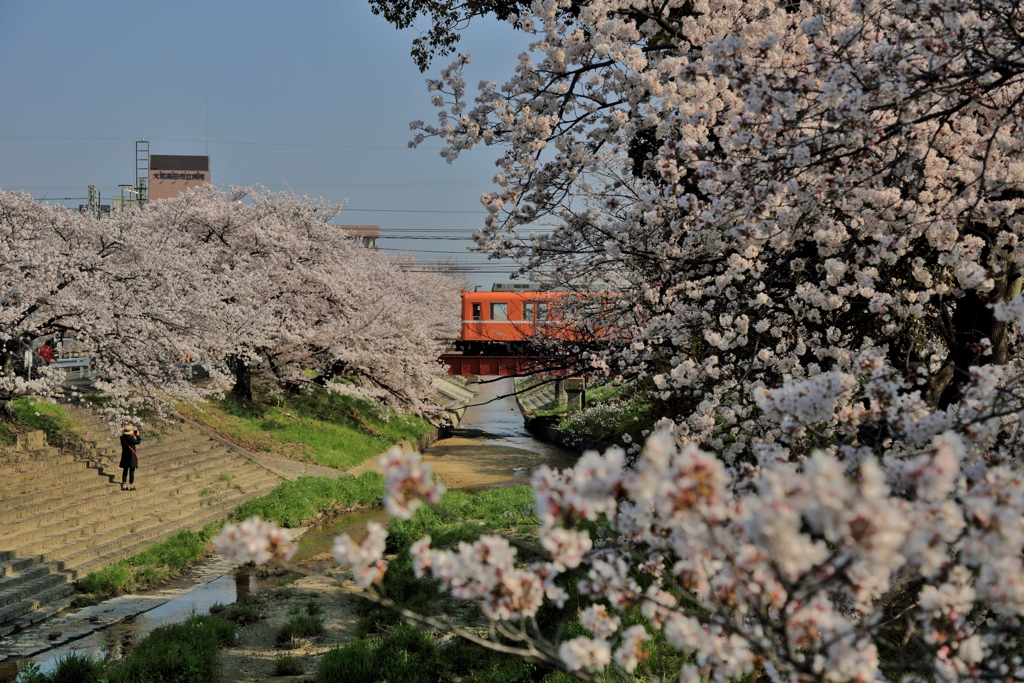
column 248, row 277
column 772, row 189
column 102, row 283
column 285, row 290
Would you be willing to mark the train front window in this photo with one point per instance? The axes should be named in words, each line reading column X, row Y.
column 542, row 311
column 499, row 311
column 528, row 311
column 476, row 311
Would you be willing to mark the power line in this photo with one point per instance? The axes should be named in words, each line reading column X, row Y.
column 423, row 251
column 217, row 142
column 479, row 213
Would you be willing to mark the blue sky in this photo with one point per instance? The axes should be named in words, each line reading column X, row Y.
column 320, row 94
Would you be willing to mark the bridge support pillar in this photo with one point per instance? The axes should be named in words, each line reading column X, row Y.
column 574, row 388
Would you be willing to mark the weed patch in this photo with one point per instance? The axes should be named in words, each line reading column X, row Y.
column 71, row 668
column 294, row 502
column 300, row 626
column 288, row 666
column 185, row 653
column 153, row 565
column 248, row 609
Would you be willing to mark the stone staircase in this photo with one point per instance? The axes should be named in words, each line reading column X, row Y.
column 64, row 515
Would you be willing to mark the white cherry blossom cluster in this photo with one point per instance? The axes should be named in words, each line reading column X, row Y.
column 408, row 482
column 256, row 541
column 771, row 191
column 792, row 567
column 485, row 572
column 366, row 559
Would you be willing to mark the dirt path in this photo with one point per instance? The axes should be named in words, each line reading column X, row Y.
column 471, row 463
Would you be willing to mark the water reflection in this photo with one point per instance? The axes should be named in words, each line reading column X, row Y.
column 116, row 640
column 495, row 416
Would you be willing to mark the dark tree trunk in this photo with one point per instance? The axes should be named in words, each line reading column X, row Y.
column 7, row 413
column 972, row 321
column 243, row 380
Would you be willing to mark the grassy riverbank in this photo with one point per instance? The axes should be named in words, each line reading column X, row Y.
column 615, row 413
column 322, row 428
column 290, row 504
column 32, row 413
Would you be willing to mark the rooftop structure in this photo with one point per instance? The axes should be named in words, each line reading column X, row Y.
column 368, row 234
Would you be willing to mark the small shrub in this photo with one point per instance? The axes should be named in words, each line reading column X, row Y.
column 352, row 663
column 73, row 667
column 183, row 653
column 288, row 666
column 409, row 655
column 312, row 608
column 249, row 609
column 301, row 626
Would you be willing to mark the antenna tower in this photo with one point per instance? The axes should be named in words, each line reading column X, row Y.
column 142, row 171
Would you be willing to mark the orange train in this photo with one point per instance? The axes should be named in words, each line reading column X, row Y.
column 509, row 317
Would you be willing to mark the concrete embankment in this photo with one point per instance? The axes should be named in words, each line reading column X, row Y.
column 543, row 397
column 65, row 515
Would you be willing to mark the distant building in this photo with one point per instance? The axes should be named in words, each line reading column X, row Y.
column 368, row 234
column 172, row 174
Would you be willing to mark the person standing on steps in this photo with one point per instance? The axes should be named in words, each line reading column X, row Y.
column 129, row 457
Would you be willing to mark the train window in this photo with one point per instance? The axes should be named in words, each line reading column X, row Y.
column 476, row 311
column 499, row 311
column 528, row 310
column 542, row 311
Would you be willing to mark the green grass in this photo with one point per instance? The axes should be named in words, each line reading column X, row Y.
column 559, row 409
column 154, row 565
column 323, row 428
column 409, row 655
column 499, row 509
column 49, row 417
column 293, row 502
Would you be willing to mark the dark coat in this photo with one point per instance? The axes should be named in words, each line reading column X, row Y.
column 129, row 458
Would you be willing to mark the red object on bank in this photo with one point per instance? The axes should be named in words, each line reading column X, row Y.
column 46, row 353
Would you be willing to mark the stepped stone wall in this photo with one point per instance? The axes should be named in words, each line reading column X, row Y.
column 63, row 514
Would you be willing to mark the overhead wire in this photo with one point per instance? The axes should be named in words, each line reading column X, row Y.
column 216, row 142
